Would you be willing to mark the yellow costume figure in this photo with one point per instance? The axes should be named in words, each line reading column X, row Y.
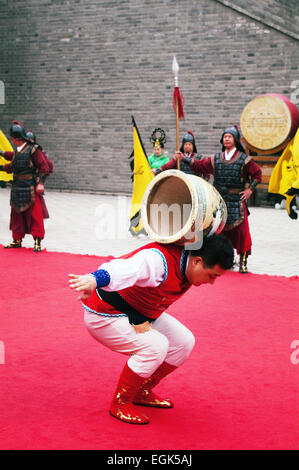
column 142, row 175
column 5, row 147
column 285, row 176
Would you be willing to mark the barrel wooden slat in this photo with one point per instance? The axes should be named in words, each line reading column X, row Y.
column 181, row 208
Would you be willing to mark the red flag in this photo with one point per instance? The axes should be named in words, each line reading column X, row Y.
column 178, row 102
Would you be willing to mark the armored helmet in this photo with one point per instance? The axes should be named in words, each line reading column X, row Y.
column 234, row 131
column 31, row 136
column 189, row 137
column 17, row 131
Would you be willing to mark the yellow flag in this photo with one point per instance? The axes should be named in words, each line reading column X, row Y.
column 286, row 171
column 142, row 176
column 6, row 147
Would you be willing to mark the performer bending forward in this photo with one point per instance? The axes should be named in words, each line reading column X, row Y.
column 125, row 302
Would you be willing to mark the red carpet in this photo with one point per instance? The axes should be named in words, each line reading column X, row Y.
column 238, row 390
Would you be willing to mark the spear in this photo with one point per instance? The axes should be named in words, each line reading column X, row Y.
column 177, row 103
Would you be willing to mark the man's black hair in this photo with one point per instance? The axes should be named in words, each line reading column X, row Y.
column 216, row 249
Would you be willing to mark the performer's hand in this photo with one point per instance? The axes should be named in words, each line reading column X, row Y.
column 245, row 194
column 85, row 283
column 40, row 188
column 143, row 327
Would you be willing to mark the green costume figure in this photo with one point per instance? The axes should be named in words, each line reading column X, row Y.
column 158, row 158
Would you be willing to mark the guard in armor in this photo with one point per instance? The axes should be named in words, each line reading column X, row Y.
column 188, row 149
column 30, row 166
column 236, row 176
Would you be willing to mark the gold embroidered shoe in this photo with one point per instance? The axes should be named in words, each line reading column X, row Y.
column 128, row 413
column 37, row 244
column 149, row 398
column 243, row 263
column 122, row 407
column 146, row 396
column 15, row 244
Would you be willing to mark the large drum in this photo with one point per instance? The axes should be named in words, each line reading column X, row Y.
column 269, row 121
column 182, row 209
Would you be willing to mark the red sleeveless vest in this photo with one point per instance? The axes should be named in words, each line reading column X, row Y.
column 150, row 301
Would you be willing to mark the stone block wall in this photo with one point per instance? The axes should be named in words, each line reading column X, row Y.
column 75, row 71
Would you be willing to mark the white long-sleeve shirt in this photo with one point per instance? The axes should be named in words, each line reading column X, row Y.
column 145, row 269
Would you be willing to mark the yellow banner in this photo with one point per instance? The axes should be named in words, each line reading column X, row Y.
column 6, row 147
column 141, row 178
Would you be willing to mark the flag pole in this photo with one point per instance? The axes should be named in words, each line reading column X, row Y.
column 177, row 103
column 177, row 126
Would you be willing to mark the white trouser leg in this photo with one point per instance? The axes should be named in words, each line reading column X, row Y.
column 146, row 350
column 181, row 340
column 169, row 341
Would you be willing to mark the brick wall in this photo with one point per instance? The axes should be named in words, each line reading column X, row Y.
column 282, row 15
column 75, row 71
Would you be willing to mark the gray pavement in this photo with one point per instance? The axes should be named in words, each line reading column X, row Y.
column 98, row 225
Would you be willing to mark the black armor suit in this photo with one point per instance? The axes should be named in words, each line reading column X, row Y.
column 22, row 191
column 229, row 182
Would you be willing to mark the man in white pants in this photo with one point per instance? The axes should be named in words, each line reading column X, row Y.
column 125, row 302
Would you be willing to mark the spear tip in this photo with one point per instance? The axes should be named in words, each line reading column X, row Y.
column 175, row 65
